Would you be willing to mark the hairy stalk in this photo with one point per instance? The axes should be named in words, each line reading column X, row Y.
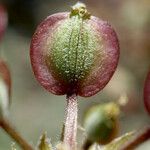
column 71, row 122
column 140, row 138
column 14, row 134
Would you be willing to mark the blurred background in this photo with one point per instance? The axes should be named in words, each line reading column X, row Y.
column 33, row 110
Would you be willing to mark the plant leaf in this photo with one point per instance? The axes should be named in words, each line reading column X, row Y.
column 44, row 143
column 118, row 142
column 115, row 144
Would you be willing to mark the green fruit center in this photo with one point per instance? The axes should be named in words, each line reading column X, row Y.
column 73, row 49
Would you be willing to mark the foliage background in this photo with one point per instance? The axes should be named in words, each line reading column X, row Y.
column 33, row 110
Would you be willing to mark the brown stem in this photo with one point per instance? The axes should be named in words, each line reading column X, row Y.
column 142, row 137
column 71, row 122
column 14, row 134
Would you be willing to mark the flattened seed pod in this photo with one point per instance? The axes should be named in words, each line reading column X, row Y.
column 74, row 52
column 147, row 93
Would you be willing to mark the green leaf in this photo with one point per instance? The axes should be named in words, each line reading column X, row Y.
column 44, row 143
column 117, row 143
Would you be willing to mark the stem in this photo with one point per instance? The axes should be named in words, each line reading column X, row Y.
column 142, row 137
column 71, row 122
column 14, row 134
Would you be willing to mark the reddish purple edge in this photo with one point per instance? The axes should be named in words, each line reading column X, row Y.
column 5, row 74
column 40, row 70
column 90, row 86
column 147, row 93
column 3, row 20
column 110, row 62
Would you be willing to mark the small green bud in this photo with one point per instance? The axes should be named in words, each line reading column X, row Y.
column 100, row 122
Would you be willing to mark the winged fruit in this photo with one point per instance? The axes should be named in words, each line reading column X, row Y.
column 74, row 52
